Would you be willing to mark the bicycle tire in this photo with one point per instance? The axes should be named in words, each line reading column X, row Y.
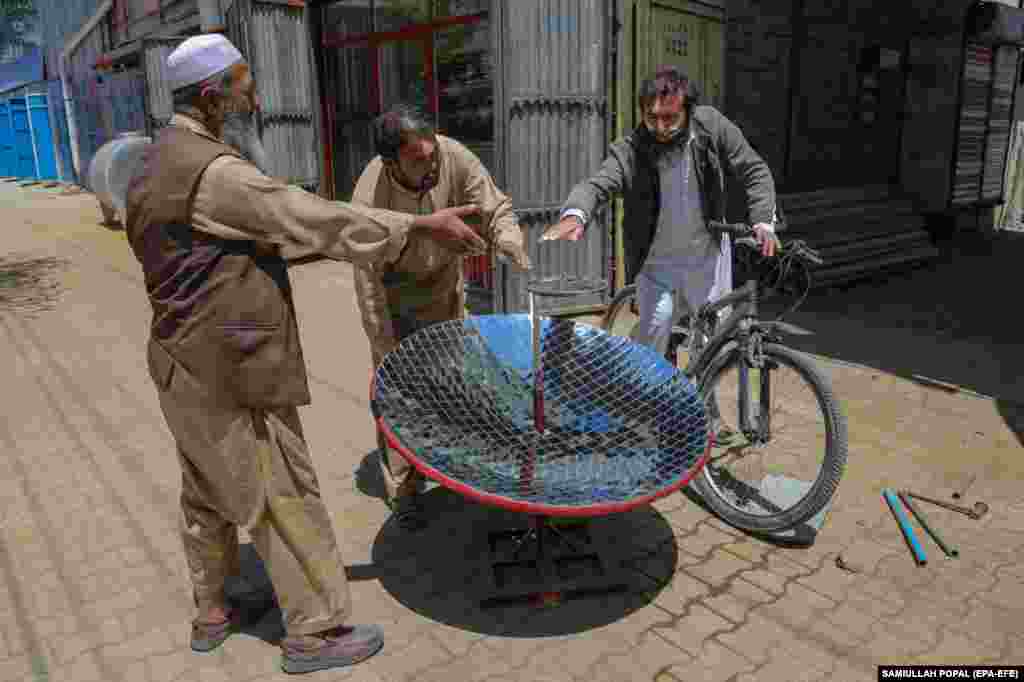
column 833, row 465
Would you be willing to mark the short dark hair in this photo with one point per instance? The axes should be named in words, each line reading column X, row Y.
column 393, row 128
column 668, row 81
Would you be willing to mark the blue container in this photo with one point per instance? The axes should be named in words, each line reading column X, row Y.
column 24, row 152
column 27, row 149
column 42, row 137
column 6, row 141
column 25, row 156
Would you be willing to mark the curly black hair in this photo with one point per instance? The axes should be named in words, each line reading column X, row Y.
column 393, row 128
column 669, row 80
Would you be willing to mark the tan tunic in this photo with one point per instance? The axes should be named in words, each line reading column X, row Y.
column 426, row 284
column 251, row 469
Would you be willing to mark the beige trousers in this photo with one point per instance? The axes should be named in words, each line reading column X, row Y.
column 250, row 469
column 400, row 478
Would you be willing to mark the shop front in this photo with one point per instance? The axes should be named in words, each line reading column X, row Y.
column 523, row 85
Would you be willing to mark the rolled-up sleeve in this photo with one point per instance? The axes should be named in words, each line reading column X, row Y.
column 502, row 229
column 235, row 200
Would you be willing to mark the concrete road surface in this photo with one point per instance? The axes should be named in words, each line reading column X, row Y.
column 93, row 586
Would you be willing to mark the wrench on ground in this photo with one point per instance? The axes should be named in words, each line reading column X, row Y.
column 976, row 512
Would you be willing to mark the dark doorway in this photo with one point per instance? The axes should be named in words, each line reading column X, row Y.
column 432, row 53
column 848, row 98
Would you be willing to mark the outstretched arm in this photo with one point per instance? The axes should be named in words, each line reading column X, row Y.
column 587, row 197
column 499, row 225
column 235, row 200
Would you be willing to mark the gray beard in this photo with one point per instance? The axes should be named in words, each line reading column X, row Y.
column 240, row 131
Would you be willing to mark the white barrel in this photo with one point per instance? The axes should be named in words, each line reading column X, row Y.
column 113, row 167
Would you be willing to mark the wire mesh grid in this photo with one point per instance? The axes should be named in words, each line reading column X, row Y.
column 621, row 425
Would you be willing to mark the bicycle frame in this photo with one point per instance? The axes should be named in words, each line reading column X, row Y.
column 746, row 309
column 736, row 327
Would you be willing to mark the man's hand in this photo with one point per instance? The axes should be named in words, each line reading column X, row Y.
column 766, row 238
column 447, row 227
column 569, row 227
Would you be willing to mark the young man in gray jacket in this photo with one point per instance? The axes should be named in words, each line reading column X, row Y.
column 671, row 173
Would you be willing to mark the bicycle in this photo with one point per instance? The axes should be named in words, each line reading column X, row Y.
column 742, row 360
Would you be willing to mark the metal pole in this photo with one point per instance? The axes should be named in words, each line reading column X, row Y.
column 55, row 134
column 32, row 133
column 950, row 551
column 538, row 367
column 908, row 532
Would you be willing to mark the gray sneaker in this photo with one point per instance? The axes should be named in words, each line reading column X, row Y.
column 336, row 648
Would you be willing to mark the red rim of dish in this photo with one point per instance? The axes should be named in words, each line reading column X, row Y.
column 522, row 505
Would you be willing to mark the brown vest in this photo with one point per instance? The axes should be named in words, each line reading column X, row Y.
column 221, row 308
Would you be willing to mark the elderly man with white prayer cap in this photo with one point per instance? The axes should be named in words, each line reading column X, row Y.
column 208, row 227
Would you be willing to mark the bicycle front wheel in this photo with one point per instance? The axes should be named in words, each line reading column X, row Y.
column 783, row 465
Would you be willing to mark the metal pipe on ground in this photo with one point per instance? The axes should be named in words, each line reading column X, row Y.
column 908, row 531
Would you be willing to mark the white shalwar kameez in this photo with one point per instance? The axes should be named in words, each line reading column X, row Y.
column 686, row 266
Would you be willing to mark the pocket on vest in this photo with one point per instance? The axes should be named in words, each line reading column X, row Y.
column 248, row 337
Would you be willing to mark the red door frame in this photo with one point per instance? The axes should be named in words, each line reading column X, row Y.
column 422, row 33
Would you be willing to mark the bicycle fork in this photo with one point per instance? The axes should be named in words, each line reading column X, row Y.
column 756, row 427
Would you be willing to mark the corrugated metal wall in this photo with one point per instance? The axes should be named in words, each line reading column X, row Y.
column 105, row 104
column 59, row 123
column 93, row 123
column 274, row 37
column 554, row 129
column 60, row 19
column 135, row 19
column 158, row 91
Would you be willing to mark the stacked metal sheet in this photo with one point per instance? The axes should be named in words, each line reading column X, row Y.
column 554, row 120
column 274, row 38
column 999, row 122
column 158, row 90
column 861, row 232
column 974, row 114
column 280, row 55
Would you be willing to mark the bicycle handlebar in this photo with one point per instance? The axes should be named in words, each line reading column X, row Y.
column 743, row 234
column 737, row 230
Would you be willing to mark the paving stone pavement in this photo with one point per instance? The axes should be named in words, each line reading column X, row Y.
column 93, row 585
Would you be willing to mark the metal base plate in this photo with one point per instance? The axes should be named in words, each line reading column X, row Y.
column 547, row 565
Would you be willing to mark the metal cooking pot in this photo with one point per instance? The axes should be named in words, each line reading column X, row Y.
column 113, row 167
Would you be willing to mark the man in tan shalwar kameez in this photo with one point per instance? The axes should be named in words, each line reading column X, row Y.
column 208, row 227
column 419, row 171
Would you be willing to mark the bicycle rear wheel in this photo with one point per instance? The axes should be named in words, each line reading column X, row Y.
column 622, row 315
column 786, row 466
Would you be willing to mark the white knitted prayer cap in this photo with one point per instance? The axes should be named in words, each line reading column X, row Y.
column 200, row 57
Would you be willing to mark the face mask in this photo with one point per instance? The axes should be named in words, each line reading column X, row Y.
column 673, row 134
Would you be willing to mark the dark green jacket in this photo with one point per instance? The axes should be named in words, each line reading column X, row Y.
column 718, row 148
